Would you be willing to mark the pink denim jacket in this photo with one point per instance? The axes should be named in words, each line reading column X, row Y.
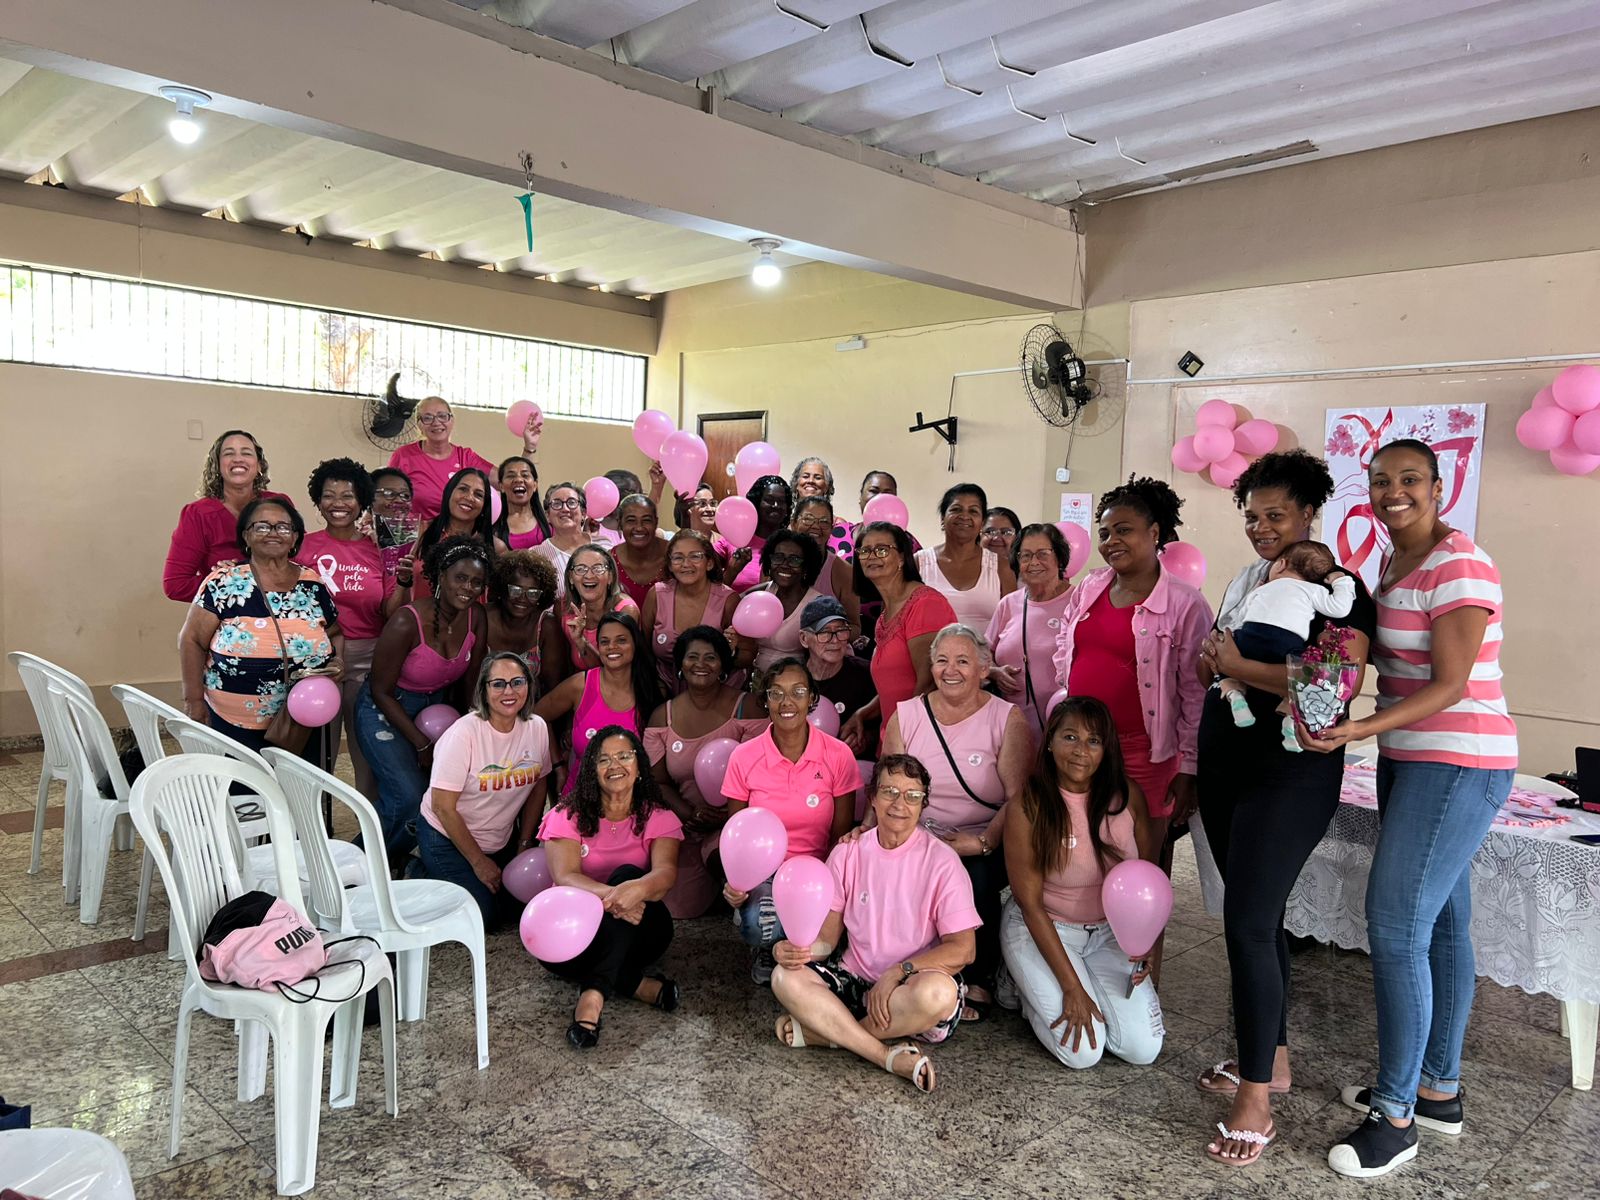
column 1167, row 630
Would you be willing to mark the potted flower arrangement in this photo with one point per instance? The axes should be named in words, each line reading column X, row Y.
column 1322, row 680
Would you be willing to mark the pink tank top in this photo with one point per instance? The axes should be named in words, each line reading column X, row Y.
column 525, row 541
column 975, row 746
column 663, row 742
column 976, row 605
column 425, row 669
column 664, row 637
column 591, row 716
column 786, row 641
column 1072, row 891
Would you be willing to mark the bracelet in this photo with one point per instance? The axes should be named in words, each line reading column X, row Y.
column 403, row 581
column 983, row 841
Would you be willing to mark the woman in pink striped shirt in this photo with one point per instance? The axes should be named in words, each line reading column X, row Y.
column 1447, row 753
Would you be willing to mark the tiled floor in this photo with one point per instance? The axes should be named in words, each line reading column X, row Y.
column 705, row 1103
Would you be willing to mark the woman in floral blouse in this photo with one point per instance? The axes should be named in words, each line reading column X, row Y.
column 246, row 617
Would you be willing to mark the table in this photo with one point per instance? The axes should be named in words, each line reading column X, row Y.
column 1535, row 907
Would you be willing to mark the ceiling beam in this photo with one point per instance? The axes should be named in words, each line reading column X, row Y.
column 432, row 82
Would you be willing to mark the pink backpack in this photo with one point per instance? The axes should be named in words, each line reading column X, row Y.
column 259, row 941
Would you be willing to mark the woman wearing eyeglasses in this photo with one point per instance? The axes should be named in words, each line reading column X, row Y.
column 806, row 778
column 487, row 788
column 1001, row 528
column 773, row 500
column 1027, row 622
column 246, row 618
column 592, row 592
column 567, row 508
column 431, row 462
column 687, row 598
column 790, row 564
column 522, row 586
column 813, row 518
column 614, row 837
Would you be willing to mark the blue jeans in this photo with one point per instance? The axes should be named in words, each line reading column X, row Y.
column 394, row 765
column 758, row 920
column 441, row 860
column 1433, row 818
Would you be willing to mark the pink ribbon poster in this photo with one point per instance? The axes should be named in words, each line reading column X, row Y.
column 1455, row 431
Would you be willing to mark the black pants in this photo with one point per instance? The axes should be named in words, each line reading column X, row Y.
column 988, row 875
column 1265, row 810
column 616, row 960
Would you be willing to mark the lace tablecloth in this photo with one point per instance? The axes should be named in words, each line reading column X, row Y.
column 1535, row 900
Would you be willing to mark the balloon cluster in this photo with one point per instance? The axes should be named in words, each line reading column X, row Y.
column 1222, row 446
column 1565, row 421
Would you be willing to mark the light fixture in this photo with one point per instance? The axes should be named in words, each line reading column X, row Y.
column 765, row 273
column 183, row 127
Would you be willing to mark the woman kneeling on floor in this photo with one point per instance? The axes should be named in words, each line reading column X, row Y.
column 905, row 900
column 614, row 837
column 1080, row 815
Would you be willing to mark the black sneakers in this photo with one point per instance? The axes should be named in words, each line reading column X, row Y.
column 1441, row 1116
column 1374, row 1148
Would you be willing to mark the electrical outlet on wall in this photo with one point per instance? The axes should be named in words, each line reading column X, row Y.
column 1063, row 475
column 196, row 431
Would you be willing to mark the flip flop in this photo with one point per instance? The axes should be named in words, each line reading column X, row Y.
column 1259, row 1140
column 1228, row 1069
column 922, row 1076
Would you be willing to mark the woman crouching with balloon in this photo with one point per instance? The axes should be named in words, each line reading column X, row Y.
column 614, row 839
column 1081, row 991
column 905, row 901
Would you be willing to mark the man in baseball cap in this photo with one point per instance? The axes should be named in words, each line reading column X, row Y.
column 842, row 679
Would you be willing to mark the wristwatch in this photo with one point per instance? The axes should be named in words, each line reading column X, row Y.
column 907, row 970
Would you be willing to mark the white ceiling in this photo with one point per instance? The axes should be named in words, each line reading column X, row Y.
column 1061, row 99
column 101, row 139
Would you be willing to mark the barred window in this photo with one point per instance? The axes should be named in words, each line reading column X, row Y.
column 62, row 319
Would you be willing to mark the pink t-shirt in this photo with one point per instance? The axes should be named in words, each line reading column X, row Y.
column 353, row 572
column 1072, row 891
column 975, row 745
column 615, row 845
column 897, row 903
column 494, row 772
column 1035, row 651
column 429, row 475
column 801, row 793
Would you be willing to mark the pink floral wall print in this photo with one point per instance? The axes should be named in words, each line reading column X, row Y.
column 1455, row 431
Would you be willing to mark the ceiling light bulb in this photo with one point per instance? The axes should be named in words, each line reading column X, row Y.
column 183, row 127
column 765, row 273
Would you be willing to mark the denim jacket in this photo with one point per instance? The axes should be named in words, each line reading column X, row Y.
column 1167, row 631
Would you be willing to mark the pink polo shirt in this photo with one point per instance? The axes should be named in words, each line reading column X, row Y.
column 429, row 475
column 897, row 903
column 615, row 845
column 800, row 793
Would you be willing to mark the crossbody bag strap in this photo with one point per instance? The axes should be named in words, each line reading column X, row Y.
column 283, row 650
column 951, row 759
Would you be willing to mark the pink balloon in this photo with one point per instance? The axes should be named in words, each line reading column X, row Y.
column 315, row 700
column 825, row 717
column 1586, row 433
column 1577, row 389
column 884, row 507
column 1544, row 398
column 1545, row 428
column 519, row 414
column 683, row 458
column 1213, row 443
column 710, row 766
column 802, row 892
column 753, row 845
column 1225, row 473
column 1077, row 543
column 435, row 719
column 601, row 497
column 758, row 616
column 1571, row 461
column 1255, row 438
column 1138, row 900
column 1185, row 458
column 560, row 922
column 1217, row 414
column 1056, row 697
column 754, row 460
column 736, row 520
column 650, row 429
column 526, row 875
column 1185, row 562
column 497, row 504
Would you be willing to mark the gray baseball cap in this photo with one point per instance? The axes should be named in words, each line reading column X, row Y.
column 819, row 612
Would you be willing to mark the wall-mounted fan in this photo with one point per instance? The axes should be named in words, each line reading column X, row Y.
column 388, row 420
column 1055, row 378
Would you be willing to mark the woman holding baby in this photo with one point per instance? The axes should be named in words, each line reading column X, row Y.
column 1266, row 804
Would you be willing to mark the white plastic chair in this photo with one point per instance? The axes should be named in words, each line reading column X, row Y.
column 55, row 728
column 187, row 798
column 145, row 717
column 408, row 917
column 102, row 792
column 63, row 1164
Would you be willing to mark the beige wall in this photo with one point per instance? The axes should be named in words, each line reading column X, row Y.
column 1538, row 525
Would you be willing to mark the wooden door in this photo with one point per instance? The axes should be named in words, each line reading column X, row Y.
column 725, row 434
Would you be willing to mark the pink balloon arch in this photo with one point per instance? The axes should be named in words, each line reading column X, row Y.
column 1225, row 441
column 1564, row 421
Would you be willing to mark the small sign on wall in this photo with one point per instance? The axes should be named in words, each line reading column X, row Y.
column 1078, row 508
column 1354, row 436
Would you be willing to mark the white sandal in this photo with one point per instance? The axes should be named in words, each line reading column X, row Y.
column 922, row 1076
column 796, row 1038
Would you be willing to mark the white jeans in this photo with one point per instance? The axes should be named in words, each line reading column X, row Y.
column 1132, row 1029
